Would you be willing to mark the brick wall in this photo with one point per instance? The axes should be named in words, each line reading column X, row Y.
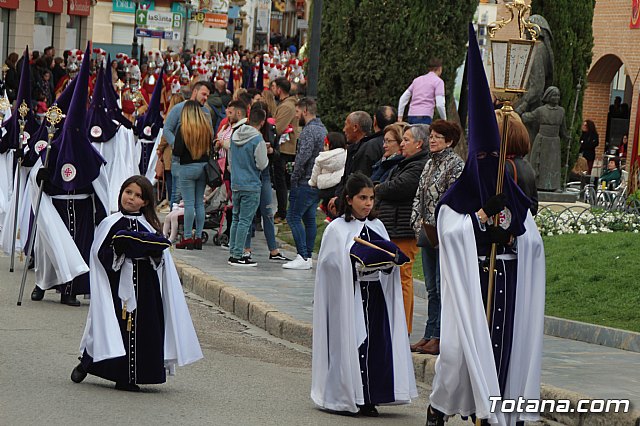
column 612, row 36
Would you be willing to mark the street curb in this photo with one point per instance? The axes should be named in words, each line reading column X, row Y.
column 281, row 325
column 573, row 330
column 591, row 333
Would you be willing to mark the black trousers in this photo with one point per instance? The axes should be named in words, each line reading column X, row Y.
column 280, row 181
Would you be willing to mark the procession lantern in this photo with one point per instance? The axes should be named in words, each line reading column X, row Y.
column 511, row 59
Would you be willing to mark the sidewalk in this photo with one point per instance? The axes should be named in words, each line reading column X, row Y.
column 571, row 369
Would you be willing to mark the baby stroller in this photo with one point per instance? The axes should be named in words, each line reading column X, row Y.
column 215, row 209
column 220, row 206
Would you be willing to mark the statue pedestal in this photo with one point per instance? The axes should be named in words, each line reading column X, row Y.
column 557, row 197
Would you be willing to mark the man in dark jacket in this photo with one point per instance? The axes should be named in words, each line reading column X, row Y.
column 394, row 200
column 303, row 199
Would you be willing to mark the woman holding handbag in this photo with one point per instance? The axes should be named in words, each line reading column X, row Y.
column 192, row 145
column 440, row 172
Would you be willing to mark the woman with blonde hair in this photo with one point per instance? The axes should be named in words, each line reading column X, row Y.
column 270, row 100
column 164, row 152
column 192, row 145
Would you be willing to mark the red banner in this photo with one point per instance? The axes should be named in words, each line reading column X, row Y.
column 51, row 6
column 9, row 4
column 79, row 7
column 215, row 20
column 635, row 14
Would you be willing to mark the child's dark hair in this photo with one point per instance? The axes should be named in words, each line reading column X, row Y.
column 355, row 183
column 149, row 210
column 336, row 140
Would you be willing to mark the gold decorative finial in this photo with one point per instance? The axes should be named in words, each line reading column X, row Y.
column 54, row 115
column 119, row 85
column 23, row 110
column 4, row 103
column 522, row 9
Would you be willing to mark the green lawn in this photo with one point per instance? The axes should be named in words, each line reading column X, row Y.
column 594, row 278
column 591, row 278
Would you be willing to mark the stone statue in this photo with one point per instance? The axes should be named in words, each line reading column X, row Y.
column 545, row 157
column 541, row 73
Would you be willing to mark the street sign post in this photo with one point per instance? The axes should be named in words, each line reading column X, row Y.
column 154, row 19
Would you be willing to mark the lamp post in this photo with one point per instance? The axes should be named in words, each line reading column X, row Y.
column 134, row 45
column 139, row 4
column 510, row 64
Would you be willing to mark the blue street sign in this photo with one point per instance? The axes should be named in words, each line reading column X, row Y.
column 144, row 32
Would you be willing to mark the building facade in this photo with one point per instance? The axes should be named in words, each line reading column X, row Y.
column 63, row 24
column 614, row 72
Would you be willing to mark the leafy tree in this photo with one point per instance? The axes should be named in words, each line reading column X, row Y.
column 571, row 24
column 371, row 50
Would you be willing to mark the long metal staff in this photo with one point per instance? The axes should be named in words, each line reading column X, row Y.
column 53, row 116
column 573, row 119
column 23, row 110
column 507, row 109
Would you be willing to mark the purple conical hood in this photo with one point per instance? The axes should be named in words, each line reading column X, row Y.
column 150, row 123
column 260, row 80
column 73, row 161
column 42, row 134
column 250, row 83
column 12, row 126
column 101, row 127
column 230, row 81
column 478, row 180
column 111, row 101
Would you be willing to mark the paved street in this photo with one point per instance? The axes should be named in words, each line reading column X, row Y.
column 246, row 378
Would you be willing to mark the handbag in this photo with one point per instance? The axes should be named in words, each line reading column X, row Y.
column 428, row 236
column 213, row 172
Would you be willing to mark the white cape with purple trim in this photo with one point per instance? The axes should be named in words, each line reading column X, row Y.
column 102, row 338
column 465, row 373
column 339, row 326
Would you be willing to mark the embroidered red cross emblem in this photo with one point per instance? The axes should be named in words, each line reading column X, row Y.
column 67, row 172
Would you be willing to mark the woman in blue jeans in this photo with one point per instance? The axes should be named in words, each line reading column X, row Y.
column 192, row 144
column 440, row 172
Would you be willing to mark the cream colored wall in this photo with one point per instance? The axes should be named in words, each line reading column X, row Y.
column 102, row 28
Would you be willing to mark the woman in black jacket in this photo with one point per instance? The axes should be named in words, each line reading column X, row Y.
column 394, row 199
column 11, row 78
column 589, row 142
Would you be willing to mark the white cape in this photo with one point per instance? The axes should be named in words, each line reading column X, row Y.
column 153, row 158
column 102, row 338
column 339, row 327
column 465, row 370
column 57, row 258
column 24, row 207
column 119, row 153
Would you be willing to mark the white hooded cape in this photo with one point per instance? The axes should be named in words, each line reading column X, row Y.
column 102, row 339
column 339, row 327
column 119, row 153
column 57, row 258
column 465, row 370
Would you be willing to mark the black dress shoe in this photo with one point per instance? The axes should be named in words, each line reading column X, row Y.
column 69, row 299
column 368, row 410
column 37, row 294
column 434, row 417
column 78, row 374
column 32, row 263
column 129, row 387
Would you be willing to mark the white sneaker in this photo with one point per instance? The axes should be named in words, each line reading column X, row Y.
column 298, row 263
